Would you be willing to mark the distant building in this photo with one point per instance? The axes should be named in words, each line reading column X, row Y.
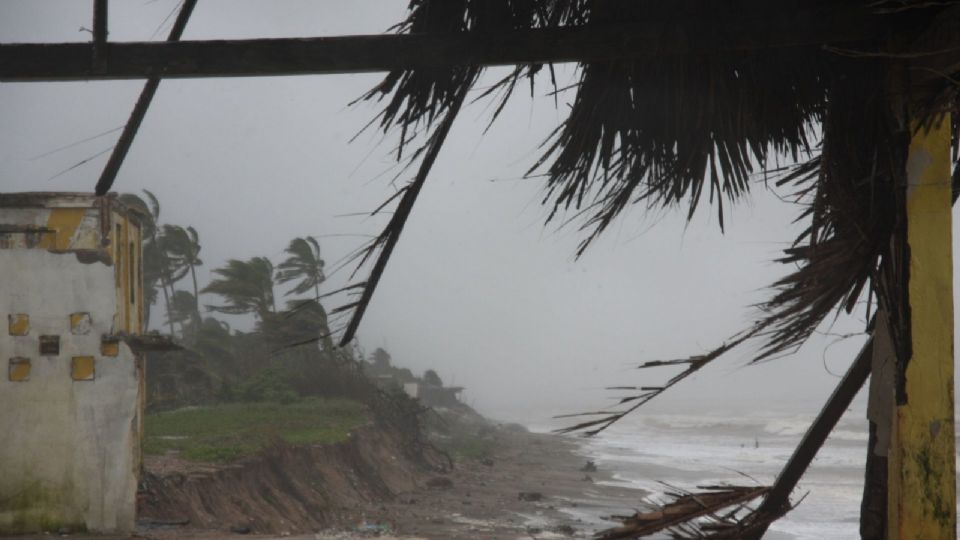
column 433, row 395
column 71, row 400
column 412, row 389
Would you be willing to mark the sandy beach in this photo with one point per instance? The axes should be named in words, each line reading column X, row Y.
column 532, row 487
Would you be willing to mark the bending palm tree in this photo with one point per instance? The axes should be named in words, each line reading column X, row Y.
column 182, row 247
column 246, row 286
column 183, row 311
column 304, row 264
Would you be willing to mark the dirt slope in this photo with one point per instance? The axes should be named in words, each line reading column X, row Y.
column 286, row 489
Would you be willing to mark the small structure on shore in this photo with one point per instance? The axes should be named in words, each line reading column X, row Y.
column 72, row 396
column 433, row 395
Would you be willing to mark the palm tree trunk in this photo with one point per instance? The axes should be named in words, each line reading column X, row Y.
column 164, row 283
column 196, row 298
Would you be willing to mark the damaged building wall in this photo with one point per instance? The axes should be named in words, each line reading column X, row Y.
column 71, row 397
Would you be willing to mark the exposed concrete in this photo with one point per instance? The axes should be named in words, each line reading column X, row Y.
column 70, row 456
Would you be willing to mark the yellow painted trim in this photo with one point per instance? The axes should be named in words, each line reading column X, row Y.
column 125, row 277
column 922, row 468
column 80, row 323
column 18, row 324
column 82, row 368
column 18, row 370
column 65, row 221
column 109, row 347
column 138, row 265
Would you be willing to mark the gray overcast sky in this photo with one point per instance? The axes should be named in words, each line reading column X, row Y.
column 478, row 289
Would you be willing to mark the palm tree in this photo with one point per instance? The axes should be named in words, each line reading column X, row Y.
column 182, row 247
column 183, row 310
column 246, row 286
column 304, row 264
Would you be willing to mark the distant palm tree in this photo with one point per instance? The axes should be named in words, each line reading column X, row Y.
column 182, row 247
column 304, row 264
column 183, row 310
column 246, row 286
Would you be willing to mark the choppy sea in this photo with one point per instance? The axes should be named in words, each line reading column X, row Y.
column 687, row 451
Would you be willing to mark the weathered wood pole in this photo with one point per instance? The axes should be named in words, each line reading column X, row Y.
column 922, row 475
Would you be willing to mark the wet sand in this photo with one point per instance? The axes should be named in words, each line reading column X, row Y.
column 532, row 487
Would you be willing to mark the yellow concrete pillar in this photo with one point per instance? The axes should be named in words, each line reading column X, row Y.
column 922, row 475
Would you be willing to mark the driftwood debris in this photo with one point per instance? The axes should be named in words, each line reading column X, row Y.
column 705, row 514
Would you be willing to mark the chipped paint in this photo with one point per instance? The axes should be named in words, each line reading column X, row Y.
column 80, row 323
column 18, row 369
column 18, row 324
column 65, row 222
column 109, row 347
column 82, row 368
column 71, row 453
column 922, row 455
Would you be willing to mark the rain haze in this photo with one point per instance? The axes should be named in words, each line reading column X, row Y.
column 479, row 288
column 485, row 306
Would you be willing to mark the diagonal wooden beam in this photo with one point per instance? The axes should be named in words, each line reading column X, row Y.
column 120, row 150
column 777, row 501
column 377, row 53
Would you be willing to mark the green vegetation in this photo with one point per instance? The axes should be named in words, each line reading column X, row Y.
column 227, row 432
column 281, row 380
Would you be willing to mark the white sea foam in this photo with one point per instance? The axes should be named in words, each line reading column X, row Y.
column 686, row 451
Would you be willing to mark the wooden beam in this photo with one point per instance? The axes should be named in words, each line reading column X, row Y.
column 777, row 499
column 99, row 35
column 377, row 53
column 921, row 464
column 120, row 150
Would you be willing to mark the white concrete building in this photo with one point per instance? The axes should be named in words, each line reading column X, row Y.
column 71, row 399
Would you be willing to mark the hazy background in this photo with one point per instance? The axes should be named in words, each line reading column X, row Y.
column 478, row 288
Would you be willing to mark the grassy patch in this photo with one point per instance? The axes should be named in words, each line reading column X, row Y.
column 227, row 432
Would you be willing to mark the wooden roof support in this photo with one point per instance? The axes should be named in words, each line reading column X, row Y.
column 99, row 34
column 120, row 150
column 777, row 501
column 377, row 53
column 922, row 500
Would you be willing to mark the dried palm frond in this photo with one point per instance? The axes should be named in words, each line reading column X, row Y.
column 697, row 515
column 674, row 126
column 853, row 189
column 714, row 512
column 417, row 98
column 663, row 129
column 647, row 393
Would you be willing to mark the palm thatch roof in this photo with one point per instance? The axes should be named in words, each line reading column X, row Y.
column 696, row 122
